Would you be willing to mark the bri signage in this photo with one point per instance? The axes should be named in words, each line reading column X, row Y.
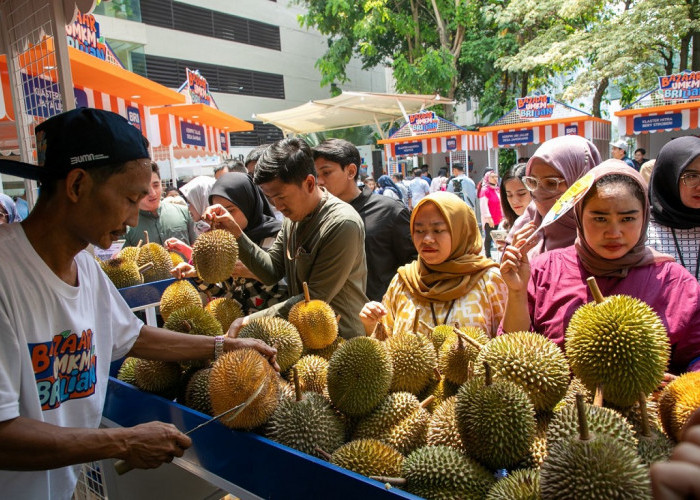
column 424, row 122
column 84, row 35
column 198, row 88
column 531, row 107
column 680, row 86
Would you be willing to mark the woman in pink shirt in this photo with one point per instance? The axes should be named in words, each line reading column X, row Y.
column 612, row 222
column 490, row 204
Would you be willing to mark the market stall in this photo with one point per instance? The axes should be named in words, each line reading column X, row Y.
column 536, row 119
column 664, row 113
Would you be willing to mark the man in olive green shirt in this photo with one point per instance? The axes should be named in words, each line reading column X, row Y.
column 160, row 220
column 322, row 241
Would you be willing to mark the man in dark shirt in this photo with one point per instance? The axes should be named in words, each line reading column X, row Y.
column 388, row 243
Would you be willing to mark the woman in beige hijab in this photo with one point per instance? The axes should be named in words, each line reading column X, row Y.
column 450, row 282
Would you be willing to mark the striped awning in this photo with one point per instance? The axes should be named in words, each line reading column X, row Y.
column 435, row 143
column 537, row 132
column 672, row 117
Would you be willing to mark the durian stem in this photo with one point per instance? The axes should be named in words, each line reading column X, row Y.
column 595, row 291
column 487, row 374
column 598, row 398
column 415, row 324
column 337, row 319
column 379, row 332
column 146, row 267
column 436, row 372
column 297, row 385
column 646, row 429
column 307, row 297
column 139, row 244
column 394, row 481
column 467, row 338
column 425, row 325
column 456, row 325
column 323, row 453
column 427, row 401
column 186, row 326
column 584, row 435
column 145, row 237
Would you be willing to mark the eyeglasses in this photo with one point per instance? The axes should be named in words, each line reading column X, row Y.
column 550, row 184
column 691, row 179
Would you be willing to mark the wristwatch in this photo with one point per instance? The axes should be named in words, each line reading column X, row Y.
column 218, row 346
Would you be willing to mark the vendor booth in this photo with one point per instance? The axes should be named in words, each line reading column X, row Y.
column 536, row 119
column 429, row 139
column 662, row 114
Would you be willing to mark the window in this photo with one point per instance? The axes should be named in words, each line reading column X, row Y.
column 261, row 134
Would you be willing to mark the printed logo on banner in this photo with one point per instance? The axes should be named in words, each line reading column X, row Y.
column 571, row 130
column 680, row 86
column 451, row 144
column 520, row 137
column 409, row 148
column 539, row 106
column 192, row 135
column 64, row 368
column 134, row 117
column 423, row 122
column 81, row 99
column 41, row 97
column 223, row 140
column 198, row 87
column 658, row 122
column 84, row 35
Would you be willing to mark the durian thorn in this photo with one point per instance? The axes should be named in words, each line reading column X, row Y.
column 646, row 429
column 487, row 374
column 467, row 338
column 297, row 385
column 426, row 402
column 595, row 291
column 323, row 453
column 470, row 370
column 598, row 398
column 187, row 326
column 394, row 481
column 145, row 237
column 584, row 435
column 307, row 297
column 146, row 267
column 139, row 244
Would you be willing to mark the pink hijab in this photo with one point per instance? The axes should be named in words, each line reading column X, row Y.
column 640, row 255
column 572, row 156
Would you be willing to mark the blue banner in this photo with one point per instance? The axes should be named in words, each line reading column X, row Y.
column 41, row 97
column 192, row 135
column 451, row 144
column 520, row 137
column 571, row 130
column 409, row 148
column 134, row 117
column 81, row 100
column 658, row 122
column 223, row 140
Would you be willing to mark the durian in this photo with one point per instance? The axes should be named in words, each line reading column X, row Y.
column 197, row 392
column 413, row 359
column 678, row 401
column 523, row 484
column 159, row 257
column 368, row 457
column 214, row 255
column 442, row 426
column 278, row 333
column 126, row 370
column 326, row 352
column 193, row 320
column 459, row 352
column 159, row 377
column 313, row 372
column 123, row 273
column 315, row 321
column 177, row 295
column 601, row 422
column 225, row 310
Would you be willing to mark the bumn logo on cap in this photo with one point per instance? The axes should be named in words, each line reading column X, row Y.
column 88, row 157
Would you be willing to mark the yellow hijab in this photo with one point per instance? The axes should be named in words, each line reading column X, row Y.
column 463, row 268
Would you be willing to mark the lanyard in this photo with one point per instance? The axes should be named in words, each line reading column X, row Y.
column 449, row 310
column 680, row 254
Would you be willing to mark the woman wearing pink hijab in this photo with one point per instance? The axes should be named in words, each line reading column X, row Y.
column 611, row 226
column 555, row 166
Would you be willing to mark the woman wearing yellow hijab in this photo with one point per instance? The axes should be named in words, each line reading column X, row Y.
column 450, row 282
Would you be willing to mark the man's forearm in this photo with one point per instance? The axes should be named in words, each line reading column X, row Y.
column 258, row 261
column 164, row 345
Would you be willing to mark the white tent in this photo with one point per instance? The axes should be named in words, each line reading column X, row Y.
column 350, row 109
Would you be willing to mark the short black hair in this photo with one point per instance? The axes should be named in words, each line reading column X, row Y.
column 289, row 160
column 339, row 151
column 221, row 166
column 417, row 170
column 398, row 175
column 642, row 150
column 237, row 166
column 458, row 166
column 255, row 154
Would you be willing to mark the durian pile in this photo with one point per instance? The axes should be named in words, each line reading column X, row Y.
column 447, row 412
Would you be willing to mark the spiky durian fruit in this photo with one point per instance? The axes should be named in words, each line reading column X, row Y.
column 315, row 321
column 442, row 426
column 620, row 344
column 442, row 472
column 193, row 320
column 440, row 388
column 177, row 295
column 569, row 399
column 197, row 391
column 122, row 272
column 159, row 257
column 496, row 421
column 313, row 372
column 678, row 401
column 326, row 352
column 234, row 377
column 176, row 258
column 359, row 375
column 126, row 370
column 459, row 353
column 368, row 457
column 159, row 377
column 399, row 421
column 278, row 333
column 129, row 253
column 413, row 359
column 440, row 334
column 523, row 484
column 225, row 310
column 531, row 361
column 214, row 255
column 306, row 425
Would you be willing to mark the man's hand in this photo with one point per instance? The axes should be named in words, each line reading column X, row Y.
column 235, row 327
column 219, row 218
column 179, row 246
column 154, row 443
column 183, row 270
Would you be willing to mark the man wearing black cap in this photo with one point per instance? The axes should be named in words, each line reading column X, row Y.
column 62, row 321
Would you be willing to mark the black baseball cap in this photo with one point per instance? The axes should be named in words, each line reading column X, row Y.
column 80, row 138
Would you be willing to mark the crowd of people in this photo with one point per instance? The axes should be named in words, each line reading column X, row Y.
column 392, row 251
